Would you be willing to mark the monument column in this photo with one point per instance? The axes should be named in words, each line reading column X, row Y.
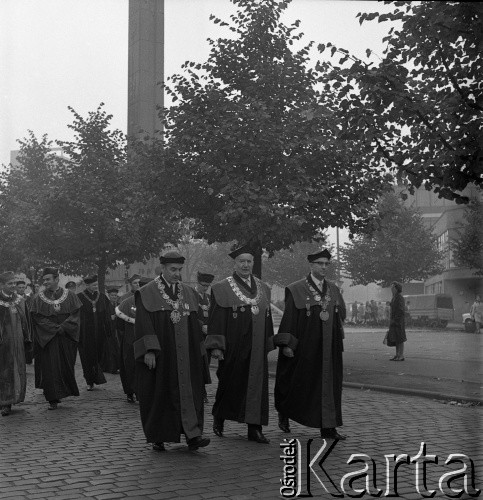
column 145, row 65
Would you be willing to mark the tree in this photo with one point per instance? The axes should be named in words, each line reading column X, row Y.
column 468, row 248
column 25, row 196
column 240, row 154
column 419, row 109
column 401, row 249
column 83, row 211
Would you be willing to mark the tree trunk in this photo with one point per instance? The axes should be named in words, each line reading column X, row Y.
column 257, row 259
column 101, row 275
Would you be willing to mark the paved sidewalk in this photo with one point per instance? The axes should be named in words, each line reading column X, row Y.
column 93, row 447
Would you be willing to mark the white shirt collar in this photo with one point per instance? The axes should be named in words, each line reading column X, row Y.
column 318, row 283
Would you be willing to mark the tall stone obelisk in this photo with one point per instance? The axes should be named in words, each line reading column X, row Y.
column 145, row 65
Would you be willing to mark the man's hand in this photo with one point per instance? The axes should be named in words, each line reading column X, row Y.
column 150, row 360
column 288, row 351
column 204, row 328
column 217, row 354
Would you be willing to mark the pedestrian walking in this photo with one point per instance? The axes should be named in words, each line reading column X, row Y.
column 126, row 313
column 204, row 281
column 134, row 285
column 354, row 312
column 15, row 339
column 56, row 318
column 95, row 327
column 476, row 313
column 308, row 385
column 396, row 335
column 171, row 367
column 111, row 360
column 240, row 335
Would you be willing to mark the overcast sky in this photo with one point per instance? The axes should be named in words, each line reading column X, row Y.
column 59, row 53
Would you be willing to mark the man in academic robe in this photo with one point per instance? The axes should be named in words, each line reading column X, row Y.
column 126, row 313
column 15, row 338
column 308, row 386
column 171, row 367
column 56, row 316
column 240, row 335
column 134, row 285
column 20, row 290
column 110, row 362
column 95, row 327
column 204, row 281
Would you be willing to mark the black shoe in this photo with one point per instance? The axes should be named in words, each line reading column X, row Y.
column 283, row 423
column 218, row 426
column 130, row 398
column 6, row 410
column 52, row 405
column 159, row 447
column 90, row 387
column 331, row 434
column 205, row 399
column 256, row 435
column 197, row 442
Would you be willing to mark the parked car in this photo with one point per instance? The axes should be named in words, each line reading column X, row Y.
column 430, row 310
column 468, row 323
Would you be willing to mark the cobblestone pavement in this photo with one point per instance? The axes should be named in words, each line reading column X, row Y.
column 93, row 447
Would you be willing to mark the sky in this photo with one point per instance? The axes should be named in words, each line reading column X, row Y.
column 60, row 53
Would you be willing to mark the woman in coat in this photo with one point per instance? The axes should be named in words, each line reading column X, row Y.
column 397, row 331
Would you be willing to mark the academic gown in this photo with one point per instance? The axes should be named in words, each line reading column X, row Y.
column 110, row 361
column 245, row 339
column 15, row 335
column 171, row 395
column 56, row 337
column 95, row 327
column 126, row 309
column 308, row 387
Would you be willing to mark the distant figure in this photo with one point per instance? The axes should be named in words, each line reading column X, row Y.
column 135, row 284
column 70, row 285
column 374, row 311
column 360, row 312
column 396, row 336
column 95, row 327
column 110, row 361
column 367, row 312
column 354, row 312
column 476, row 313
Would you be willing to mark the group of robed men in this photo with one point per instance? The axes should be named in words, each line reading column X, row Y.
column 174, row 330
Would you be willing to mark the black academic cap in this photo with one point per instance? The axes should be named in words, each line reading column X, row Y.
column 88, row 280
column 50, row 270
column 172, row 258
column 243, row 249
column 134, row 277
column 112, row 289
column 145, row 280
column 21, row 282
column 324, row 253
column 205, row 277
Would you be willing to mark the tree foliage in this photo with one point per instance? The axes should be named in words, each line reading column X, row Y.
column 401, row 249
column 83, row 211
column 290, row 264
column 418, row 110
column 468, row 248
column 240, row 154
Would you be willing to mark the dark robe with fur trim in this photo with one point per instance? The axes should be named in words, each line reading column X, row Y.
column 245, row 339
column 56, row 338
column 308, row 387
column 15, row 336
column 95, row 328
column 170, row 395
